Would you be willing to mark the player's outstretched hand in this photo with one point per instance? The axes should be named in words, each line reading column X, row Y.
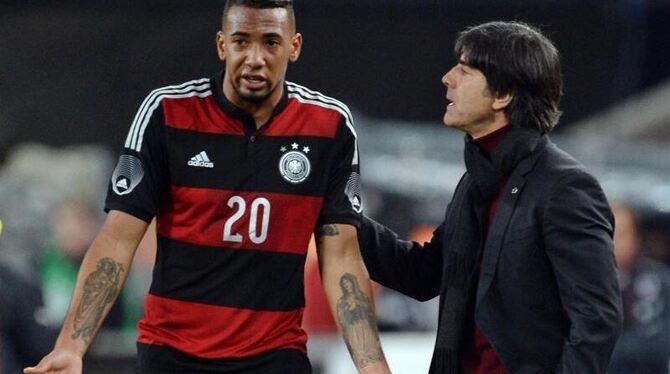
column 57, row 362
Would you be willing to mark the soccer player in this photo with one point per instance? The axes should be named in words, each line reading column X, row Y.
column 523, row 261
column 239, row 170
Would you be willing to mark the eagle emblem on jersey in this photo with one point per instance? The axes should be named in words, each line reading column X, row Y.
column 294, row 165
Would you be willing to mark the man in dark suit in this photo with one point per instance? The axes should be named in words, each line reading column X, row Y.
column 23, row 335
column 523, row 261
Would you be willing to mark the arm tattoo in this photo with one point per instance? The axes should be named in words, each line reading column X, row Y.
column 354, row 311
column 100, row 289
column 327, row 230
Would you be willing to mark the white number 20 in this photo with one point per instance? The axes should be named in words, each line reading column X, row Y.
column 255, row 235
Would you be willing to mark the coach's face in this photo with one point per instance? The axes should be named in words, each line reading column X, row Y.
column 256, row 46
column 472, row 107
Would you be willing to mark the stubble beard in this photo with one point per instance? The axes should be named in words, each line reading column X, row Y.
column 255, row 98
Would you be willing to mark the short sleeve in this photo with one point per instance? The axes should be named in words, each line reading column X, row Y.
column 342, row 202
column 140, row 176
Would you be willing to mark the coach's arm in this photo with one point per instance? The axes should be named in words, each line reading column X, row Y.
column 405, row 266
column 347, row 286
column 101, row 277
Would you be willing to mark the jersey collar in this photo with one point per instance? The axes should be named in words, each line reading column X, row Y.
column 231, row 110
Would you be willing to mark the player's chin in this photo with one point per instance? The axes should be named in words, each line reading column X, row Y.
column 256, row 96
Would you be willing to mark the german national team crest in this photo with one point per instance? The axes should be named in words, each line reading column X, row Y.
column 294, row 165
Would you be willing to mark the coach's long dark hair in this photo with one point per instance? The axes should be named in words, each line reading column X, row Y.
column 517, row 59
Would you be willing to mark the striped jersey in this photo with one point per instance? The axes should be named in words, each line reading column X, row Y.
column 235, row 207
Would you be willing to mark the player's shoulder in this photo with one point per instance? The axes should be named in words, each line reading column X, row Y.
column 312, row 97
column 300, row 91
column 194, row 87
column 154, row 101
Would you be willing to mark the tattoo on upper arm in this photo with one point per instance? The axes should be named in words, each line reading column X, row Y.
column 327, row 230
column 100, row 289
column 354, row 311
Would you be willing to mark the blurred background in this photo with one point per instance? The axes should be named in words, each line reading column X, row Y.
column 73, row 73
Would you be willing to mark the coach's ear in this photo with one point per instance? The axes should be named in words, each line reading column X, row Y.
column 502, row 101
column 220, row 46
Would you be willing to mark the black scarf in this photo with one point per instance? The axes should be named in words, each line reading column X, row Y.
column 467, row 223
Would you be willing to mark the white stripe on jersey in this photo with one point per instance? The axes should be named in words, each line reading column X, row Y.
column 305, row 95
column 188, row 89
column 310, row 94
column 141, row 113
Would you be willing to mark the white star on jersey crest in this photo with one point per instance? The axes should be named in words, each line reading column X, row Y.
column 294, row 146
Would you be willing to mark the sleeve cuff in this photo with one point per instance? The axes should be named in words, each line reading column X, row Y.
column 132, row 210
column 345, row 219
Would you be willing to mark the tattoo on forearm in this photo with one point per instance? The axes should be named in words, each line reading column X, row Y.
column 100, row 289
column 354, row 312
column 327, row 230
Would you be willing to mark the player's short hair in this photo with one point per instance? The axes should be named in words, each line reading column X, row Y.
column 260, row 4
column 517, row 59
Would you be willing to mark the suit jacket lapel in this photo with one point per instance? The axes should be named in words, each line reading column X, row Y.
column 496, row 232
column 501, row 218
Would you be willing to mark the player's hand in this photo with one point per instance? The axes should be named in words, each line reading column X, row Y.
column 57, row 362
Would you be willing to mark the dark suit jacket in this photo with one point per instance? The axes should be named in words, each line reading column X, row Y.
column 24, row 340
column 547, row 298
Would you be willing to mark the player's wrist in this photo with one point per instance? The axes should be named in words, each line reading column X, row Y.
column 70, row 347
column 380, row 367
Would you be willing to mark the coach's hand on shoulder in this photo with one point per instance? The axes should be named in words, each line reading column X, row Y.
column 57, row 362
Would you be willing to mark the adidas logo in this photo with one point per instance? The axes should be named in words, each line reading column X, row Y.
column 122, row 183
column 201, row 160
column 356, row 202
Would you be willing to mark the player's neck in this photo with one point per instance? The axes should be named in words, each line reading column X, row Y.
column 260, row 111
column 262, row 116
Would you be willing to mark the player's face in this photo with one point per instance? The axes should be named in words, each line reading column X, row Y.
column 256, row 46
column 471, row 107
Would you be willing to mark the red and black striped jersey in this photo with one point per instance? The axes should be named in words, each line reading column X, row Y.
column 235, row 208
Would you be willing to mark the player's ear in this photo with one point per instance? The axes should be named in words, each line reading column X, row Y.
column 221, row 45
column 296, row 47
